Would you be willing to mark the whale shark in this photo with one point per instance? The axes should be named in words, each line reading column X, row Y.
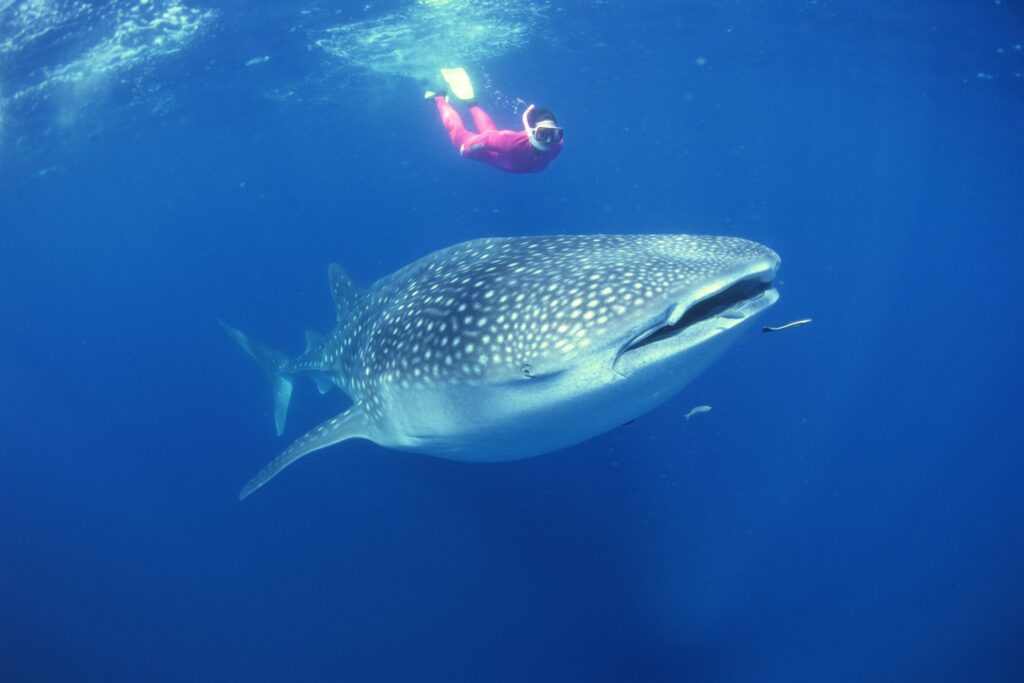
column 505, row 348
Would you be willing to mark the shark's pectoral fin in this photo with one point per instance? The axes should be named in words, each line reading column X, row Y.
column 349, row 425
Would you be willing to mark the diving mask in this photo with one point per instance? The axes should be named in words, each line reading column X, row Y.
column 541, row 136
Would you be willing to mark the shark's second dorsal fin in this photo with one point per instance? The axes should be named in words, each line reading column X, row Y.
column 313, row 339
column 343, row 288
column 322, row 381
column 349, row 425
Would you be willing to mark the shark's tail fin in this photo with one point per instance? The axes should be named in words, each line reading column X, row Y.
column 272, row 363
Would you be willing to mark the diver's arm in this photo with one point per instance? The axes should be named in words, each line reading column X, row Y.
column 491, row 141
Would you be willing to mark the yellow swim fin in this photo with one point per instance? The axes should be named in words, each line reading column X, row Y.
column 459, row 83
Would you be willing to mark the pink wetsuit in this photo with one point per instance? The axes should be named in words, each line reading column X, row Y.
column 508, row 150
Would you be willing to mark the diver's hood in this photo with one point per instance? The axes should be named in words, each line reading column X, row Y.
column 537, row 144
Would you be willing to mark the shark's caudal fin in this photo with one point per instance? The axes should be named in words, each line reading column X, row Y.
column 349, row 425
column 271, row 361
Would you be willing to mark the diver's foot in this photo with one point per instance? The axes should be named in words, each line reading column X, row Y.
column 432, row 86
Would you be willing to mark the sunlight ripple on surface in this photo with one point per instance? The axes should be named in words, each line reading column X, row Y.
column 419, row 39
column 133, row 34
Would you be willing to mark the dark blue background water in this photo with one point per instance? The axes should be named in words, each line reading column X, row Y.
column 850, row 510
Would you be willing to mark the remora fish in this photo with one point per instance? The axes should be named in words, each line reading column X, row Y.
column 505, row 348
column 697, row 410
column 779, row 328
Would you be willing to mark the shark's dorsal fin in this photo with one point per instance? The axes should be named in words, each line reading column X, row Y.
column 349, row 425
column 322, row 381
column 313, row 339
column 343, row 288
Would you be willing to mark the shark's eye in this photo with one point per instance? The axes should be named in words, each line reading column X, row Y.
column 527, row 370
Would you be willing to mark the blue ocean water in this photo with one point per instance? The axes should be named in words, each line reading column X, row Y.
column 849, row 510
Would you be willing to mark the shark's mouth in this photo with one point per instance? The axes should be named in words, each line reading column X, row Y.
column 734, row 303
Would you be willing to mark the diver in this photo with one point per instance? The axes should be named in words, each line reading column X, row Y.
column 526, row 151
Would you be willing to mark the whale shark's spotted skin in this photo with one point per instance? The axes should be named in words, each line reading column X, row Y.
column 491, row 306
column 497, row 311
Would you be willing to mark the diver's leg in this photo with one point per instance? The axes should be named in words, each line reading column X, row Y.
column 481, row 119
column 452, row 122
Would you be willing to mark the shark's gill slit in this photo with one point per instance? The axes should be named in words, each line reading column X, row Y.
column 728, row 298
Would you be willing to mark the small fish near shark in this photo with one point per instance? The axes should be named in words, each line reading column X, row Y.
column 505, row 348
column 787, row 326
column 697, row 410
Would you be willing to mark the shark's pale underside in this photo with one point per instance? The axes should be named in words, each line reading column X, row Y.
column 505, row 348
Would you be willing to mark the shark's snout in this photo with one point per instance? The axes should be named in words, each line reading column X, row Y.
column 695, row 316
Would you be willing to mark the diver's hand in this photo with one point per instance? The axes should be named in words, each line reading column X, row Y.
column 472, row 148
